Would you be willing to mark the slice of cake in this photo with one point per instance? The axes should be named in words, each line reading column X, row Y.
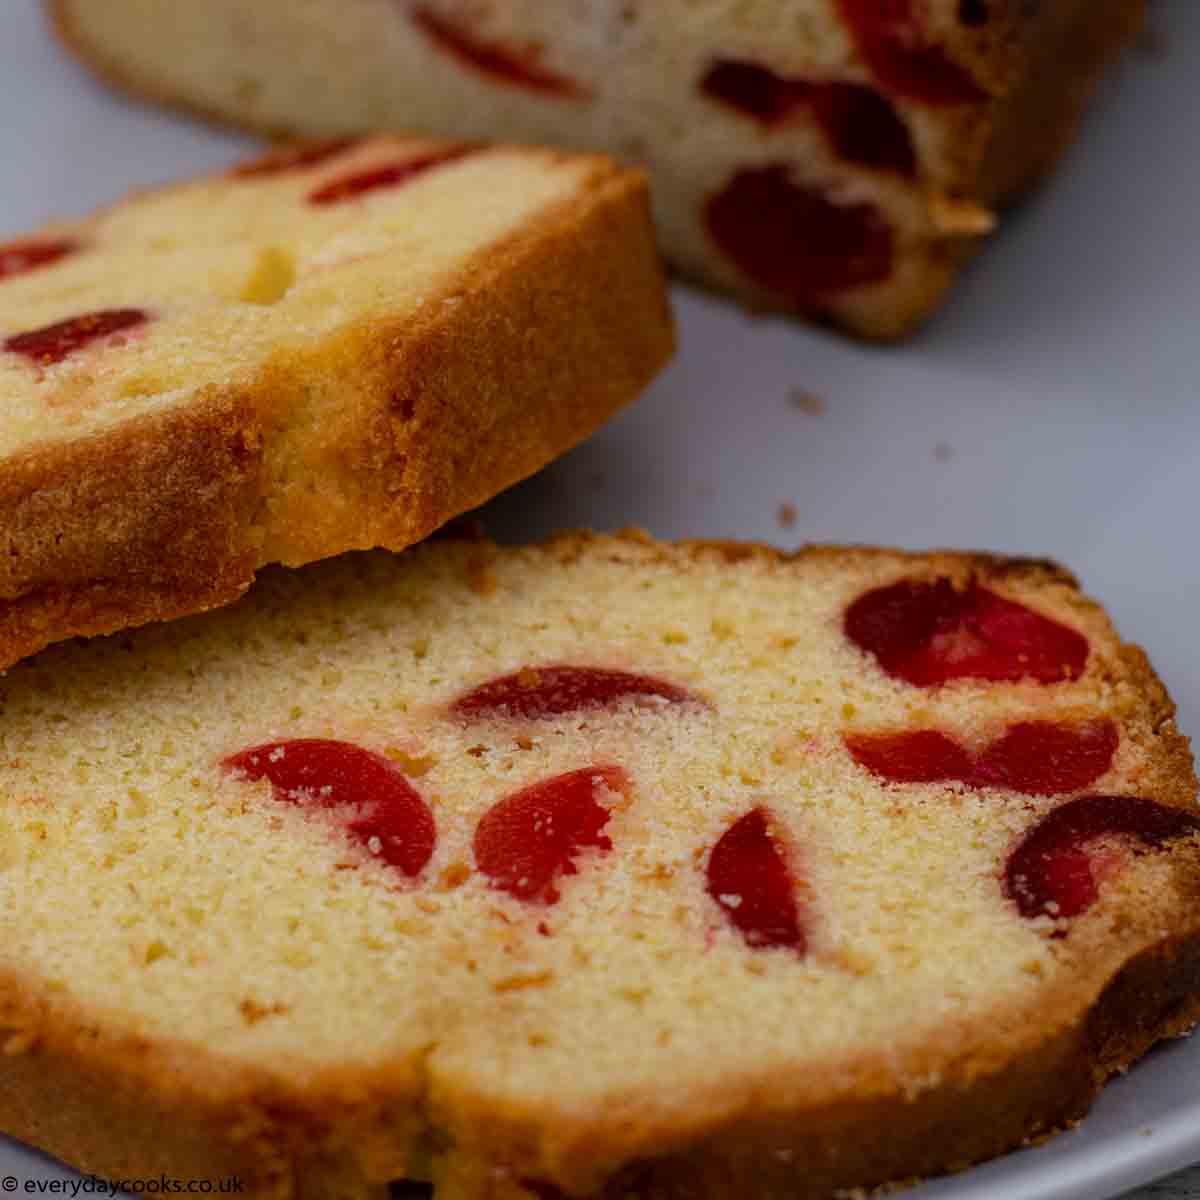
column 598, row 868
column 831, row 157
column 335, row 347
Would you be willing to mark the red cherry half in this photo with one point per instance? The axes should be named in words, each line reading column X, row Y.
column 384, row 812
column 390, row 175
column 505, row 65
column 18, row 257
column 932, row 633
column 793, row 240
column 291, row 158
column 749, row 877
column 861, row 125
column 527, row 841
column 1039, row 758
column 892, row 39
column 1049, row 873
column 540, row 693
column 52, row 343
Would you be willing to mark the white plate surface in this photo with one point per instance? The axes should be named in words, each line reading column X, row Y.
column 1051, row 410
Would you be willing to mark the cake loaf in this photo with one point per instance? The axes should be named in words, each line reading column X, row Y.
column 831, row 157
column 598, row 868
column 337, row 346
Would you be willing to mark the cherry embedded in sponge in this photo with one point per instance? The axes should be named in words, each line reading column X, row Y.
column 506, row 65
column 390, row 175
column 749, row 876
column 385, row 813
column 18, row 257
column 292, row 158
column 1049, row 873
column 526, row 841
column 1039, row 758
column 52, row 343
column 892, row 38
column 861, row 125
column 933, row 633
column 539, row 693
column 793, row 240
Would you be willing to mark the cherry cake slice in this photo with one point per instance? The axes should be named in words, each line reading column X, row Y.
column 599, row 868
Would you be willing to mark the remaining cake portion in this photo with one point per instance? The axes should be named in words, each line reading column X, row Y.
column 338, row 346
column 831, row 157
column 602, row 867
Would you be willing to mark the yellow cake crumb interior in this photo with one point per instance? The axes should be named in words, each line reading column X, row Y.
column 236, row 274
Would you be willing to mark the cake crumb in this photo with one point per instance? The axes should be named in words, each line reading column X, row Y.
column 154, row 951
column 660, row 873
column 19, row 1043
column 806, row 401
column 943, row 452
column 454, row 876
column 253, row 1012
column 786, row 515
column 481, row 578
column 956, row 217
column 517, row 983
column 412, row 765
column 855, row 962
column 272, row 277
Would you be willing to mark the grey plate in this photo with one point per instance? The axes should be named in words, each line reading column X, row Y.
column 1051, row 410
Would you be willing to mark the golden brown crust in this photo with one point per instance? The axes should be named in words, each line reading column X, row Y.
column 146, row 522
column 426, row 419
column 81, row 1093
column 1043, row 64
column 1045, row 1088
column 72, row 1085
column 1006, row 148
column 1073, row 46
column 125, row 1107
column 459, row 403
column 571, row 543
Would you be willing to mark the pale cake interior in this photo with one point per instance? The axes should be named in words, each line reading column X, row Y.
column 239, row 274
column 624, row 77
